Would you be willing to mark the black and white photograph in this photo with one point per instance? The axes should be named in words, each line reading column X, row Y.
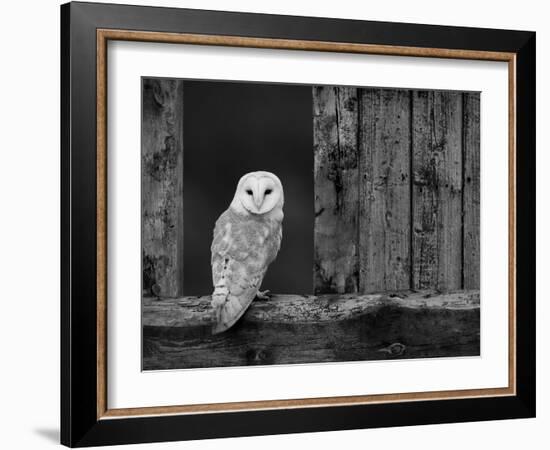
column 294, row 224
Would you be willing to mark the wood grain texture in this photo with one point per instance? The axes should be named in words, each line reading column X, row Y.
column 335, row 128
column 437, row 190
column 194, row 311
column 162, row 187
column 385, row 197
column 471, row 192
column 412, row 220
column 303, row 329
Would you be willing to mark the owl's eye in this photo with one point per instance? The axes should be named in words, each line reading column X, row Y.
column 268, row 191
column 249, row 191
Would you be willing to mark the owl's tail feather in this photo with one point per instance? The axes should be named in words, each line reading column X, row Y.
column 228, row 308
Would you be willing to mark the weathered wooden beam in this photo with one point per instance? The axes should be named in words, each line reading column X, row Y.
column 162, row 187
column 291, row 329
column 196, row 311
column 336, row 178
column 470, row 195
column 385, row 190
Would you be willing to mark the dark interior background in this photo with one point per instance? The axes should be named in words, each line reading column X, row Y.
column 231, row 128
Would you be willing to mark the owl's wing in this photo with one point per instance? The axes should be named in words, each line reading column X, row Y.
column 275, row 244
column 238, row 268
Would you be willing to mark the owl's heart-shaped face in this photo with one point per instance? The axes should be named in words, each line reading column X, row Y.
column 259, row 192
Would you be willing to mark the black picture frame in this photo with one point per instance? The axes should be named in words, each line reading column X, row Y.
column 80, row 425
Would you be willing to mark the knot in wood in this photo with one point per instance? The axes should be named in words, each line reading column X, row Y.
column 257, row 356
column 395, row 349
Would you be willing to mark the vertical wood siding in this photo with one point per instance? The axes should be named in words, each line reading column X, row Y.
column 437, row 190
column 384, row 206
column 396, row 190
column 470, row 199
column 162, row 187
column 336, row 175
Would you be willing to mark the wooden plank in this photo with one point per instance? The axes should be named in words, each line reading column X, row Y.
column 336, row 189
column 471, row 194
column 162, row 187
column 385, row 194
column 296, row 329
column 437, row 190
column 193, row 311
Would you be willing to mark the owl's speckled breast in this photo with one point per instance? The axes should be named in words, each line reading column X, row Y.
column 255, row 231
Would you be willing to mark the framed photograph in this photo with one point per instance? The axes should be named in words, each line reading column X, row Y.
column 277, row 224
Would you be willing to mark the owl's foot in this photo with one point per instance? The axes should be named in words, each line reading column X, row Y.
column 263, row 295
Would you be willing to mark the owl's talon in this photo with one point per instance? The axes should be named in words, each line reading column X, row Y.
column 263, row 295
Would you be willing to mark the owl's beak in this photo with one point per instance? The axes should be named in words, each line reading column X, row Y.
column 257, row 199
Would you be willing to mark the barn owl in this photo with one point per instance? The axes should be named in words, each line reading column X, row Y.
column 247, row 238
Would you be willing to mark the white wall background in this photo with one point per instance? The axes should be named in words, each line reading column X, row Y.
column 29, row 225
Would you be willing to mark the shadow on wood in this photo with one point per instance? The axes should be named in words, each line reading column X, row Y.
column 292, row 329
